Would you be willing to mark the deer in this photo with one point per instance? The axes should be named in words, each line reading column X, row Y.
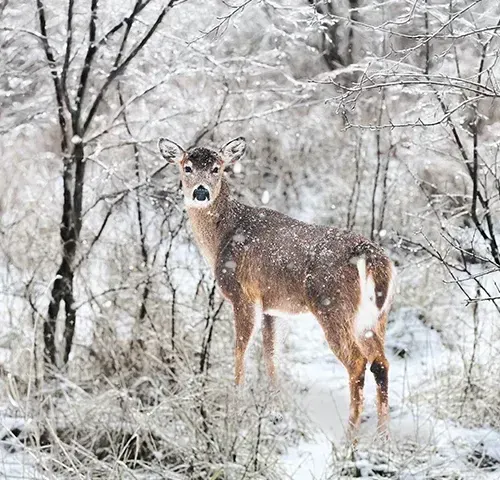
column 269, row 265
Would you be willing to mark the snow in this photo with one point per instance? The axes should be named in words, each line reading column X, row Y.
column 18, row 465
column 15, row 461
column 306, row 160
column 265, row 197
column 324, row 398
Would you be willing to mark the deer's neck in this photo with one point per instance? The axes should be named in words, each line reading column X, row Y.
column 211, row 224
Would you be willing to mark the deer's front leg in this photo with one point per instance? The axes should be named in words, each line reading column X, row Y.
column 244, row 322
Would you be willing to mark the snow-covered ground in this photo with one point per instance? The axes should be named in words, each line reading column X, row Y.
column 420, row 446
column 15, row 462
column 18, row 465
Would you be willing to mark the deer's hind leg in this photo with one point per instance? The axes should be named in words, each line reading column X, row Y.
column 356, row 370
column 345, row 348
column 372, row 343
column 380, row 370
column 269, row 349
column 268, row 346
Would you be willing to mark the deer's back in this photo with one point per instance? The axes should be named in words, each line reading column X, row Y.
column 284, row 263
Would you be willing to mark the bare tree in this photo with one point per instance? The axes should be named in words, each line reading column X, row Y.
column 337, row 33
column 76, row 108
column 457, row 101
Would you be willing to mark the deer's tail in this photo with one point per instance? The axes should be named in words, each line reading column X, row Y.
column 376, row 284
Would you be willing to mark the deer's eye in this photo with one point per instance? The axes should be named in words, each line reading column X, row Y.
column 215, row 170
column 188, row 169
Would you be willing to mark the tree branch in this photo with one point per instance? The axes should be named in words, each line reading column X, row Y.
column 91, row 49
column 53, row 72
column 67, row 53
column 116, row 71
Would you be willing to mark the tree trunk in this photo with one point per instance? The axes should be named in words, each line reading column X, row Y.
column 62, row 291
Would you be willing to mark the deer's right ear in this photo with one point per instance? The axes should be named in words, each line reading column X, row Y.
column 170, row 151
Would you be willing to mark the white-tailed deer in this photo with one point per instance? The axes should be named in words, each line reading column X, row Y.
column 270, row 265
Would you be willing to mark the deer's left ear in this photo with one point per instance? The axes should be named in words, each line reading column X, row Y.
column 232, row 151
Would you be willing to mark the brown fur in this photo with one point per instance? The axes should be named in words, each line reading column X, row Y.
column 262, row 258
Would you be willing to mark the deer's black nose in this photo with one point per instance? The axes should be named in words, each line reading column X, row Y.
column 201, row 194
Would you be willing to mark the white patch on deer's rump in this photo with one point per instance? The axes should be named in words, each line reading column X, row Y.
column 368, row 313
column 390, row 290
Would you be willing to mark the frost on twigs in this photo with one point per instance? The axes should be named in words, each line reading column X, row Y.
column 402, row 460
column 468, row 396
column 156, row 425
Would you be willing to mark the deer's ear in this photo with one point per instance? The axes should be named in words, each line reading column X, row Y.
column 235, row 149
column 170, row 151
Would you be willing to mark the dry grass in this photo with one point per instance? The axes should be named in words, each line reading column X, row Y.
column 128, row 413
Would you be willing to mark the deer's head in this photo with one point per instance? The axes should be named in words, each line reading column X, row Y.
column 202, row 169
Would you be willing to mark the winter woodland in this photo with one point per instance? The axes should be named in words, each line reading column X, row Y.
column 116, row 346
